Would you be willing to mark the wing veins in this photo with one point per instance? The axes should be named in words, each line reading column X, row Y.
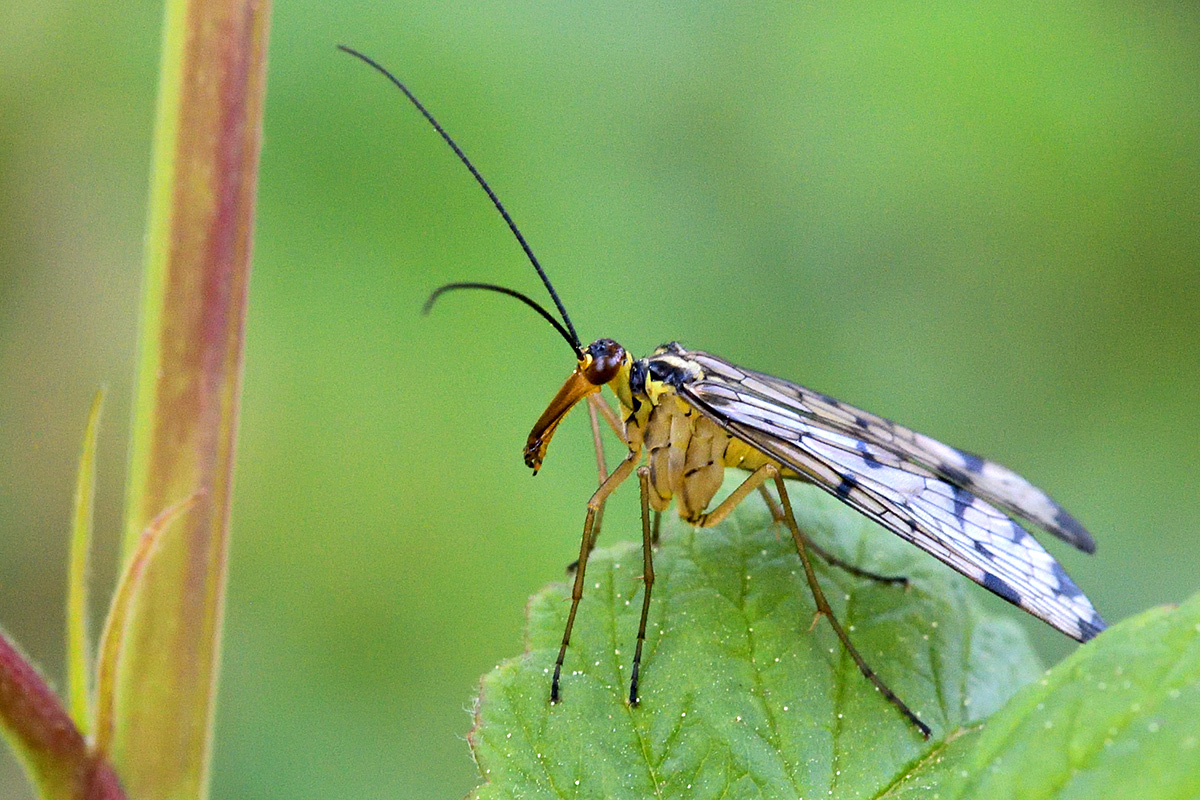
column 1012, row 564
column 987, row 480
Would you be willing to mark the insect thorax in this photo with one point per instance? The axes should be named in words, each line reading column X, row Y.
column 687, row 452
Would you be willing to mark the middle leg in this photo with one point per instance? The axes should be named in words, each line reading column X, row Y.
column 596, row 408
column 647, row 579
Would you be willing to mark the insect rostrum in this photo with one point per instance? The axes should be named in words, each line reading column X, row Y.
column 690, row 415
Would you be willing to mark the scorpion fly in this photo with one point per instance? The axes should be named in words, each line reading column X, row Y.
column 690, row 415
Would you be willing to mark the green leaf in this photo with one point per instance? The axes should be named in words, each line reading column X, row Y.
column 739, row 697
column 1118, row 719
column 79, row 664
column 112, row 639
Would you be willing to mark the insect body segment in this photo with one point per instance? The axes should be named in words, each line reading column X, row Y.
column 687, row 451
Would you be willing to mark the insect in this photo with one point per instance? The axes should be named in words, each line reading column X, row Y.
column 691, row 415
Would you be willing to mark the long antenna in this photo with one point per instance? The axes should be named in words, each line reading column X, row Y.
column 512, row 226
column 491, row 287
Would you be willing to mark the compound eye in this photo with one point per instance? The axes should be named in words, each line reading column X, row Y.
column 607, row 357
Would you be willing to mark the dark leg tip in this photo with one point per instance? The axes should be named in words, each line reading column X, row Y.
column 887, row 580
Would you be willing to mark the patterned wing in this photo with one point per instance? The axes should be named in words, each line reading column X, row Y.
column 987, row 480
column 950, row 520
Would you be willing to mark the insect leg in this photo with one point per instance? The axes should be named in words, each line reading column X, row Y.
column 753, row 481
column 596, row 404
column 612, row 482
column 776, row 511
column 601, row 467
column 647, row 580
column 824, row 609
column 826, row 556
column 592, row 402
column 830, row 558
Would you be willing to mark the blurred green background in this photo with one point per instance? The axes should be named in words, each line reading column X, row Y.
column 980, row 219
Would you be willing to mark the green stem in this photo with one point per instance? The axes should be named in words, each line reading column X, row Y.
column 207, row 140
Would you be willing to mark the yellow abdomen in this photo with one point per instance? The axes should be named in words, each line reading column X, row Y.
column 687, row 454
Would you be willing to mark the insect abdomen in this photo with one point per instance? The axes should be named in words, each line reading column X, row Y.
column 687, row 454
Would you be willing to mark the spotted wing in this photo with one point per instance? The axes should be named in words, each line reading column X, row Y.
column 950, row 519
column 987, row 480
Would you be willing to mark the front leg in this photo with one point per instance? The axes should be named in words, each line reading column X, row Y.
column 597, row 408
column 585, row 548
